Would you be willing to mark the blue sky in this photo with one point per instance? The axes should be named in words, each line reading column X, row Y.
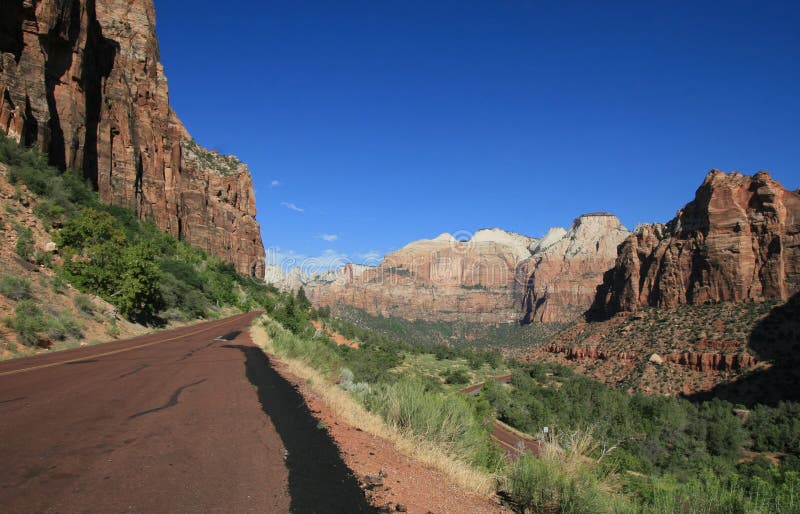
column 369, row 124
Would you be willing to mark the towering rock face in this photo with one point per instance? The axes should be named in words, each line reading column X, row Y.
column 562, row 276
column 439, row 279
column 495, row 277
column 81, row 80
column 738, row 240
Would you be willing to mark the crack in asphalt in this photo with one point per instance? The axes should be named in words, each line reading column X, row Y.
column 13, row 399
column 173, row 400
column 230, row 336
column 133, row 372
column 85, row 361
column 192, row 352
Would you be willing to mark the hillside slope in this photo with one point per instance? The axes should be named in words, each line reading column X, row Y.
column 53, row 314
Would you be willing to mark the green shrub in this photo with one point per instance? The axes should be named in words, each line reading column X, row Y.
column 24, row 246
column 458, row 376
column 448, row 421
column 714, row 495
column 548, row 485
column 28, row 322
column 58, row 284
column 319, row 354
column 15, row 288
column 49, row 212
column 62, row 325
column 84, row 304
column 112, row 329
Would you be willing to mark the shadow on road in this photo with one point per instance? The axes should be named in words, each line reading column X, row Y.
column 319, row 480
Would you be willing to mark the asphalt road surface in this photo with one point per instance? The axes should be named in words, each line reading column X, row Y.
column 187, row 420
column 512, row 444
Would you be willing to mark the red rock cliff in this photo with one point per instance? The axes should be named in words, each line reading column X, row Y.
column 439, row 279
column 561, row 279
column 738, row 240
column 81, row 80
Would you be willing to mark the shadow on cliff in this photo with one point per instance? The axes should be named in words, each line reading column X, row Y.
column 602, row 308
column 774, row 339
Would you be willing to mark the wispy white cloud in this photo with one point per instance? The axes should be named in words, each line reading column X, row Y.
column 310, row 264
column 329, row 237
column 370, row 258
column 292, row 207
column 275, row 183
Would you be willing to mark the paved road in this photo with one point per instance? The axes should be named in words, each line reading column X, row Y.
column 179, row 421
column 512, row 443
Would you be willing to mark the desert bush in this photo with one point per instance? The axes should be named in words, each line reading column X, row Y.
column 24, row 246
column 62, row 325
column 358, row 389
column 14, row 287
column 458, row 376
column 49, row 212
column 112, row 330
column 318, row 354
column 564, row 479
column 711, row 494
column 28, row 322
column 546, row 485
column 448, row 421
column 84, row 304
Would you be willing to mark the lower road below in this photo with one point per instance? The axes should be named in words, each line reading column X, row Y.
column 187, row 420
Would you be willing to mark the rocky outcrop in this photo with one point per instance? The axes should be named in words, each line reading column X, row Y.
column 81, row 80
column 562, row 275
column 712, row 361
column 697, row 361
column 593, row 353
column 739, row 240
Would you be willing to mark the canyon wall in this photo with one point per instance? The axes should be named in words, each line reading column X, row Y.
column 494, row 277
column 738, row 240
column 561, row 278
column 439, row 279
column 82, row 81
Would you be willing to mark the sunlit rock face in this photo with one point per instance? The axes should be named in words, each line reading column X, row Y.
column 738, row 240
column 562, row 276
column 435, row 279
column 495, row 276
column 81, row 80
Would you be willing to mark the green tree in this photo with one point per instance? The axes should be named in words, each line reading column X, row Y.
column 91, row 227
column 303, row 303
column 139, row 295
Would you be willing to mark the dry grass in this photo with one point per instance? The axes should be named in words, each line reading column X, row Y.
column 347, row 409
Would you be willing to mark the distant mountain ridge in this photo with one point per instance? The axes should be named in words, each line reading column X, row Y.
column 739, row 240
column 488, row 278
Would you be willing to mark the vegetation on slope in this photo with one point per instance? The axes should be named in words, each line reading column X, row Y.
column 453, row 333
column 611, row 452
column 685, row 448
column 149, row 276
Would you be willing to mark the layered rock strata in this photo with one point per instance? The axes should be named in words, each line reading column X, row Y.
column 738, row 240
column 82, row 81
column 561, row 277
column 493, row 277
